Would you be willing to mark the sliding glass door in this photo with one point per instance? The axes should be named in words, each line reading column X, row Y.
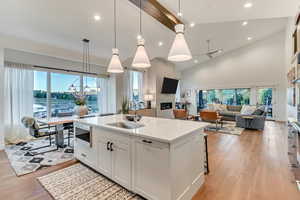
column 265, row 96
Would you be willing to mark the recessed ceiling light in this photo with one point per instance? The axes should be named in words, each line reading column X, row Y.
column 249, row 38
column 196, row 61
column 160, row 44
column 192, row 24
column 245, row 23
column 248, row 5
column 97, row 17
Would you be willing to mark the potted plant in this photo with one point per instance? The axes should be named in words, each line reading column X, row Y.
column 125, row 106
column 81, row 109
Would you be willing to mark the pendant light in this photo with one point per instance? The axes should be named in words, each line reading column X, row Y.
column 115, row 65
column 179, row 50
column 141, row 59
column 86, row 62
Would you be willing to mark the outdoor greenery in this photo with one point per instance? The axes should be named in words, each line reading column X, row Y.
column 265, row 96
column 238, row 96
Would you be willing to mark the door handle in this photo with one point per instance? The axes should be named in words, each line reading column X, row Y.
column 107, row 146
column 147, row 141
column 111, row 144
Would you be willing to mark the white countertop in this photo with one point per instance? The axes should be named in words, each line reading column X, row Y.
column 160, row 129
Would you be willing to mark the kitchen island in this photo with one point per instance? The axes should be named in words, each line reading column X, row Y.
column 159, row 159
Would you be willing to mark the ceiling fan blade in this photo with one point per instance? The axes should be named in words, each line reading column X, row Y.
column 209, row 55
column 214, row 51
column 198, row 55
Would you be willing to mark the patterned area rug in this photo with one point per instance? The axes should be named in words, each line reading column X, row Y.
column 228, row 128
column 78, row 182
column 23, row 163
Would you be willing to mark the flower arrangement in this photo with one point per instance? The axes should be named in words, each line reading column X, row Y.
column 80, row 100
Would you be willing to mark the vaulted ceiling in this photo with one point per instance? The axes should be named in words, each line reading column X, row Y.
column 63, row 23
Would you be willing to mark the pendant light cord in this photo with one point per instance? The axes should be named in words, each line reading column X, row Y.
column 115, row 24
column 141, row 18
column 179, row 7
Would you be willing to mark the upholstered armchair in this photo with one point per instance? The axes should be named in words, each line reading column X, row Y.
column 180, row 114
column 256, row 122
column 212, row 117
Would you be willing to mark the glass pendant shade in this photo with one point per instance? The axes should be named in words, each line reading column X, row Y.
column 179, row 50
column 141, row 59
column 115, row 65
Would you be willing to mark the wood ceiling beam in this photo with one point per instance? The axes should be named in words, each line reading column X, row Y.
column 158, row 12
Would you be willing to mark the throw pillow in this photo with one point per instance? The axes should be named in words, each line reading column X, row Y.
column 248, row 110
column 259, row 111
column 211, row 107
column 222, row 107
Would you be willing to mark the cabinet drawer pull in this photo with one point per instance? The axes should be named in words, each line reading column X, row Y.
column 147, row 141
column 111, row 145
column 83, row 155
column 107, row 146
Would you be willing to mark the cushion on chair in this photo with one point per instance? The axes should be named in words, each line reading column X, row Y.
column 234, row 108
column 228, row 113
column 211, row 107
column 248, row 110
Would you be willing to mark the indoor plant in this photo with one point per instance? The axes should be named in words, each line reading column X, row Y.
column 81, row 109
column 125, row 106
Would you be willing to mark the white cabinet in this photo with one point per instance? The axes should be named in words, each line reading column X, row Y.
column 151, row 169
column 121, row 164
column 104, row 156
column 83, row 149
column 85, row 153
column 114, row 160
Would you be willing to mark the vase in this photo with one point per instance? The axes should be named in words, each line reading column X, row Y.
column 81, row 110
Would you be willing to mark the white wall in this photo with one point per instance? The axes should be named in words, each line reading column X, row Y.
column 11, row 42
column 1, row 97
column 289, row 54
column 161, row 68
column 261, row 63
column 23, row 57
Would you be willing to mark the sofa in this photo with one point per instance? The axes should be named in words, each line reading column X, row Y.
column 254, row 121
column 256, row 116
column 230, row 113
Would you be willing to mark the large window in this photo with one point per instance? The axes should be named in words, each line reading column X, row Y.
column 239, row 96
column 60, row 101
column 91, row 93
column 40, row 94
column 136, row 86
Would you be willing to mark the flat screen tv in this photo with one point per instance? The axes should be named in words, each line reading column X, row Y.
column 169, row 86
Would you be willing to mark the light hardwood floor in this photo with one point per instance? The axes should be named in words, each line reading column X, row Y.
column 253, row 166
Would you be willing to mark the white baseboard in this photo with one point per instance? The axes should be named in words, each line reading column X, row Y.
column 193, row 189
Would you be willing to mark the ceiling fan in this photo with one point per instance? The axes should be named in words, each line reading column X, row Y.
column 211, row 52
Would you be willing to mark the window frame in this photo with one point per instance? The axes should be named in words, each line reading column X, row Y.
column 49, row 88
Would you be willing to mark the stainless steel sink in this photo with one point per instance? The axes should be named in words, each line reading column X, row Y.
column 126, row 125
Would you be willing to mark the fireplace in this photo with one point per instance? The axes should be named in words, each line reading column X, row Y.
column 166, row 106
